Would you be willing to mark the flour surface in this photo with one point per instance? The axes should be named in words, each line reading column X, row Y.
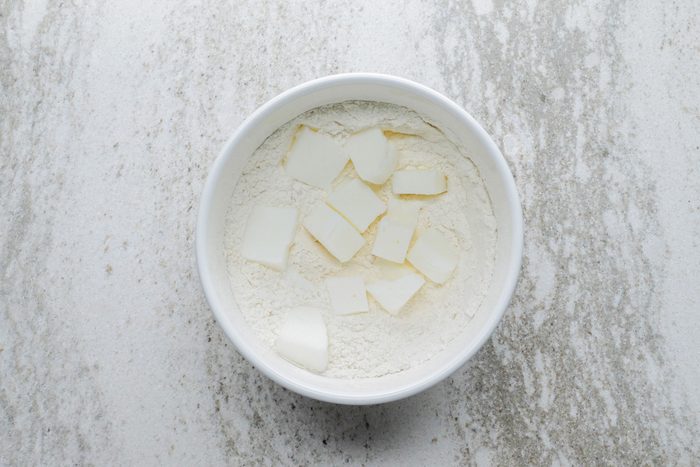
column 369, row 344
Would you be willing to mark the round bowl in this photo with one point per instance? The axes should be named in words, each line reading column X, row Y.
column 458, row 125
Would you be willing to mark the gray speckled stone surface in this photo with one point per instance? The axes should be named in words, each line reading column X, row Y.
column 111, row 114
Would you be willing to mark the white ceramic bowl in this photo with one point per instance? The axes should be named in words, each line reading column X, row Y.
column 454, row 122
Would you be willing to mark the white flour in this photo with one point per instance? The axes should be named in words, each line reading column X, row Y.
column 375, row 343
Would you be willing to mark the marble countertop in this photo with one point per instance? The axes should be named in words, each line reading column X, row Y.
column 111, row 114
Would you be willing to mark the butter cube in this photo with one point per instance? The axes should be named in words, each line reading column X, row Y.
column 348, row 294
column 334, row 232
column 392, row 240
column 434, row 255
column 418, row 182
column 315, row 159
column 395, row 230
column 357, row 203
column 303, row 339
column 392, row 295
column 404, row 210
column 373, row 156
column 268, row 235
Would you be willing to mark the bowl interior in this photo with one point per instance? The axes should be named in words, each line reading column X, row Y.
column 462, row 129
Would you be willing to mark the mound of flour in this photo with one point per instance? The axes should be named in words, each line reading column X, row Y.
column 375, row 343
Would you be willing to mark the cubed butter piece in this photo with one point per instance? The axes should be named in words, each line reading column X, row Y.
column 392, row 295
column 395, row 230
column 268, row 235
column 434, row 255
column 373, row 156
column 348, row 294
column 303, row 339
column 406, row 211
column 357, row 203
column 334, row 232
column 315, row 158
column 418, row 182
column 392, row 240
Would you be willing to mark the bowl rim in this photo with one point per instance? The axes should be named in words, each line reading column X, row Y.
column 459, row 359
